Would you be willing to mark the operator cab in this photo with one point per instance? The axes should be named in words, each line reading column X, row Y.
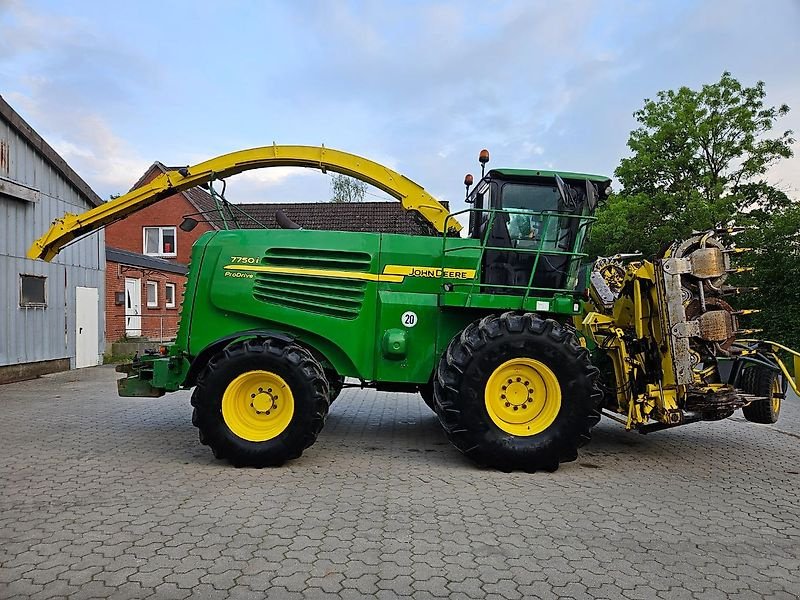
column 533, row 222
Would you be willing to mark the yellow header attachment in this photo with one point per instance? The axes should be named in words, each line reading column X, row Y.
column 411, row 195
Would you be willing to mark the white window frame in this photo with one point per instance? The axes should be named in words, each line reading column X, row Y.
column 147, row 294
column 161, row 252
column 174, row 288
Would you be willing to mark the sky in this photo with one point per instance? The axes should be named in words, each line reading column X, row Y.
column 418, row 86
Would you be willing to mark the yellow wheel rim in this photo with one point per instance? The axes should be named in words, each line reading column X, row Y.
column 523, row 396
column 777, row 392
column 257, row 405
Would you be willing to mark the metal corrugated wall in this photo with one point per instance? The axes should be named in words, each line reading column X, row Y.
column 36, row 334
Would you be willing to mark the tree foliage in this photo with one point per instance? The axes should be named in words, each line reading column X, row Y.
column 773, row 231
column 698, row 158
column 347, row 189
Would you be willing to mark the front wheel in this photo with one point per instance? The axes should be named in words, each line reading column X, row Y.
column 260, row 402
column 517, row 392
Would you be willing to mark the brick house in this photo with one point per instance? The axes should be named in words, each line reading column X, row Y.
column 147, row 253
column 146, row 258
column 163, row 289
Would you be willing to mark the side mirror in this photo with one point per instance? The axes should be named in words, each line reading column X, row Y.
column 591, row 196
column 566, row 193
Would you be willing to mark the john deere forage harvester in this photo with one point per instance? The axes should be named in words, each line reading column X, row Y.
column 516, row 342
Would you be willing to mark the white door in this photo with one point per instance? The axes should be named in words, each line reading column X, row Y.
column 86, row 339
column 133, row 307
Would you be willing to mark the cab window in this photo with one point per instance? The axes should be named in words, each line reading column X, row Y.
column 527, row 207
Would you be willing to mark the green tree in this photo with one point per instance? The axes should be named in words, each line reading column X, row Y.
column 773, row 232
column 347, row 189
column 698, row 159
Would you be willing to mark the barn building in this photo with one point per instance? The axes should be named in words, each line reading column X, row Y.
column 51, row 316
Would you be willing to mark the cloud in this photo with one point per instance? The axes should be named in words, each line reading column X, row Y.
column 420, row 86
column 64, row 76
column 87, row 143
column 272, row 175
column 279, row 184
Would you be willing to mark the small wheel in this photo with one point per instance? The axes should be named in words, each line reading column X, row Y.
column 260, row 402
column 335, row 383
column 761, row 381
column 517, row 392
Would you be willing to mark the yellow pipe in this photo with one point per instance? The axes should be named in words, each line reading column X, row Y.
column 793, row 382
column 411, row 195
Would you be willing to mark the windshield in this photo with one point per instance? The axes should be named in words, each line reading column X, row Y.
column 525, row 196
column 528, row 199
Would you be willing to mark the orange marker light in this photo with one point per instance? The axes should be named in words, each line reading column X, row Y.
column 483, row 157
column 468, row 179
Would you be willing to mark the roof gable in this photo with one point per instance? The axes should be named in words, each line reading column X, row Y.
column 200, row 199
column 47, row 152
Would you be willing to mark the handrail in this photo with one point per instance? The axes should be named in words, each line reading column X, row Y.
column 547, row 216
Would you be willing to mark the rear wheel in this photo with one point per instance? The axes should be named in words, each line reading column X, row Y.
column 761, row 381
column 260, row 402
column 517, row 392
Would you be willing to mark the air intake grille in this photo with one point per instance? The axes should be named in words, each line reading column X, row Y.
column 313, row 292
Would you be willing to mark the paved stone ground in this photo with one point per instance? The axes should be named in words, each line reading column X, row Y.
column 115, row 498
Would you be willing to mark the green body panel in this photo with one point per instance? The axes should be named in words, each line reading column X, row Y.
column 559, row 304
column 344, row 319
column 225, row 302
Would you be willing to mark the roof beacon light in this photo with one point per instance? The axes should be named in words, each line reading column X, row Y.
column 483, row 158
column 468, row 180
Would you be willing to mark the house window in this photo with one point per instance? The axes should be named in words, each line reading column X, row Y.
column 160, row 241
column 152, row 294
column 169, row 292
column 31, row 291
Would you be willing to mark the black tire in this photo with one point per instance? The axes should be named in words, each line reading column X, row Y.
column 304, row 377
column 426, row 392
column 761, row 381
column 471, row 358
column 335, row 384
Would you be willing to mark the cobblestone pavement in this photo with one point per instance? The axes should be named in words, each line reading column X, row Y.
column 115, row 498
